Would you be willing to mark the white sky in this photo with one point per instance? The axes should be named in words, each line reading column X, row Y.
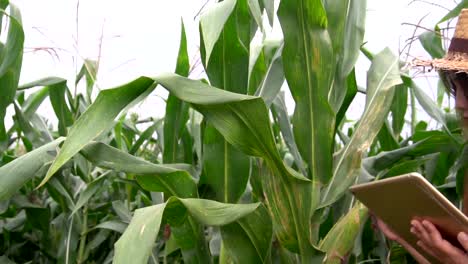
column 141, row 37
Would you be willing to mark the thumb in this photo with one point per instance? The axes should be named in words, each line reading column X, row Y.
column 463, row 239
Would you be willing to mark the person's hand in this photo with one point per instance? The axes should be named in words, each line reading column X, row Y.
column 431, row 241
column 390, row 234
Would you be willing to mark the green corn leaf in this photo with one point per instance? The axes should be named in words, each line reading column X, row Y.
column 225, row 168
column 427, row 103
column 55, row 87
column 214, row 213
column 212, row 24
column 98, row 118
column 270, row 10
column 243, row 121
column 454, row 12
column 257, row 67
column 398, row 109
column 114, row 225
column 3, row 5
column 135, row 245
column 282, row 118
column 249, row 239
column 459, row 170
column 42, row 82
column 170, row 179
column 89, row 71
column 91, row 189
column 57, row 99
column 346, row 25
column 16, row 173
column 273, row 79
column 425, row 143
column 264, row 63
column 146, row 135
column 341, row 238
column 229, row 57
column 382, row 76
column 11, row 56
column 386, row 138
column 351, row 92
column 441, row 91
column 176, row 111
column 31, row 133
column 33, row 101
column 310, row 79
column 432, row 43
column 404, row 167
column 256, row 13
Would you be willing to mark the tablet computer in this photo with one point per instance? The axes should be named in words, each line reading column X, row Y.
column 400, row 199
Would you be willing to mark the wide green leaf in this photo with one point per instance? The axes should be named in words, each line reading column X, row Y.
column 48, row 81
column 214, row 213
column 455, row 11
column 351, row 91
column 212, row 23
column 32, row 103
column 243, row 121
column 170, row 179
column 176, row 111
column 91, row 189
column 16, row 173
column 425, row 143
column 249, row 239
column 346, row 25
column 426, row 102
column 382, row 77
column 225, row 168
column 307, row 62
column 273, row 79
column 11, row 56
column 135, row 245
column 98, row 119
column 89, row 71
column 270, row 10
column 29, row 131
column 398, row 109
column 59, row 104
column 281, row 116
column 432, row 43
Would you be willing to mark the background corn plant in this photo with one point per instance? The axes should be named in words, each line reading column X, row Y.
column 227, row 175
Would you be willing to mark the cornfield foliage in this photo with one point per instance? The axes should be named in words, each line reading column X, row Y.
column 226, row 175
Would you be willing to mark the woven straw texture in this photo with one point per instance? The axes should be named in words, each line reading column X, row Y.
column 456, row 61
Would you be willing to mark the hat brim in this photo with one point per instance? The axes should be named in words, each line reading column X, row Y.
column 443, row 64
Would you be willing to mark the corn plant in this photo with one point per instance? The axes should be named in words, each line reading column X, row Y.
column 226, row 175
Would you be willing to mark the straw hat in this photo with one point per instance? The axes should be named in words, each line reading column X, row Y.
column 456, row 58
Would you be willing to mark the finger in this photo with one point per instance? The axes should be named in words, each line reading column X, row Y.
column 420, row 231
column 427, row 249
column 463, row 239
column 432, row 231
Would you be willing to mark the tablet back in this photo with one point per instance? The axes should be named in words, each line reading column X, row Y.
column 400, row 199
